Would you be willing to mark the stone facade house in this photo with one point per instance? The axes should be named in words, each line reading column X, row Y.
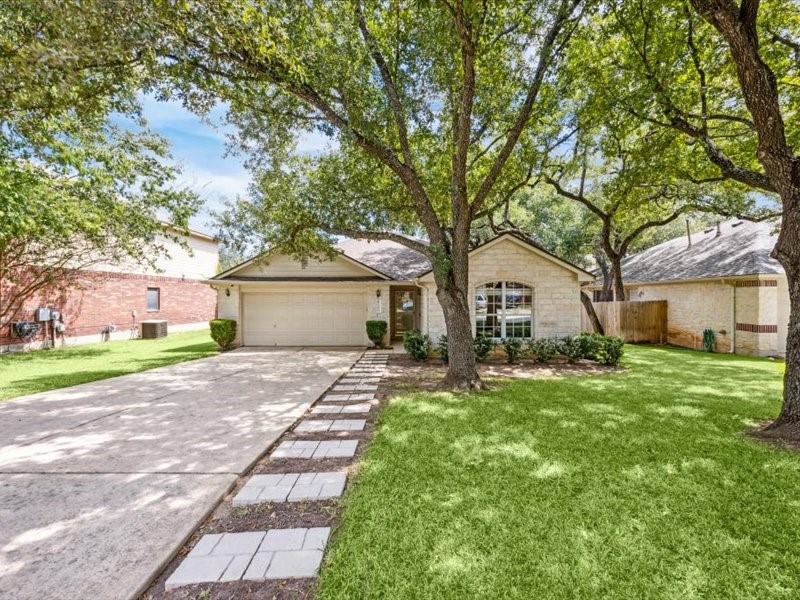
column 109, row 301
column 517, row 289
column 723, row 279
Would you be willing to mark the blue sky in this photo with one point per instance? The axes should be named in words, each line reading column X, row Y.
column 200, row 150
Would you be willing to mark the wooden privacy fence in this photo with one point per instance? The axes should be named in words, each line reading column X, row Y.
column 633, row 321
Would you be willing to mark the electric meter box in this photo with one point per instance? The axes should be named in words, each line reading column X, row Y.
column 42, row 314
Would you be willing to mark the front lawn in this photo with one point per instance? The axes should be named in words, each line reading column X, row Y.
column 41, row 370
column 633, row 485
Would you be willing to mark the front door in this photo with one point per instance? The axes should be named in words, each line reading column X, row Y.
column 405, row 311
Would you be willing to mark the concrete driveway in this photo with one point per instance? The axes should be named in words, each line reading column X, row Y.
column 101, row 483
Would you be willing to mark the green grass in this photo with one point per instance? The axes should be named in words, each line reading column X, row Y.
column 42, row 370
column 634, row 485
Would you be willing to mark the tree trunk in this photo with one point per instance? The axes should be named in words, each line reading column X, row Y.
column 787, row 252
column 453, row 293
column 589, row 307
column 616, row 276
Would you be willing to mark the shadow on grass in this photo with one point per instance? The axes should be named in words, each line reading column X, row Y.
column 55, row 354
column 203, row 348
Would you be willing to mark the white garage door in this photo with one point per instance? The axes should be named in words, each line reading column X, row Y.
column 307, row 318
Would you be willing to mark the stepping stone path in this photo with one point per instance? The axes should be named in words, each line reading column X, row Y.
column 310, row 425
column 256, row 555
column 291, row 487
column 316, row 449
column 339, row 409
column 347, row 397
column 288, row 553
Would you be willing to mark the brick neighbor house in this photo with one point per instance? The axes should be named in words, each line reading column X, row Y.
column 723, row 279
column 108, row 302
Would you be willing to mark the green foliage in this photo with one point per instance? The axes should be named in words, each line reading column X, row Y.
column 82, row 181
column 542, row 350
column 441, row 348
column 417, row 344
column 709, row 340
column 572, row 348
column 513, row 349
column 483, row 346
column 223, row 331
column 604, row 349
column 375, row 332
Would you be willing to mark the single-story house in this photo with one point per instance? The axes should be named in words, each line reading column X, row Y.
column 723, row 279
column 109, row 301
column 518, row 289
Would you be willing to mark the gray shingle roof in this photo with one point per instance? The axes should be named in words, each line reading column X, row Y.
column 743, row 248
column 392, row 259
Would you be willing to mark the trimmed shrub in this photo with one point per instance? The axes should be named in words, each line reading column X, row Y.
column 483, row 346
column 542, row 350
column 375, row 332
column 223, row 331
column 590, row 344
column 442, row 348
column 611, row 350
column 417, row 344
column 709, row 339
column 572, row 348
column 513, row 348
column 605, row 349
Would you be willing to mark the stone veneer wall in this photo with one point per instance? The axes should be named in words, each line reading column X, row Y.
column 556, row 291
column 693, row 306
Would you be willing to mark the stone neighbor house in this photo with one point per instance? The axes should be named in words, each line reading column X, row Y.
column 109, row 301
column 724, row 279
column 517, row 290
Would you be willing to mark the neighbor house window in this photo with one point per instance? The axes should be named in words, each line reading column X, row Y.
column 504, row 309
column 153, row 299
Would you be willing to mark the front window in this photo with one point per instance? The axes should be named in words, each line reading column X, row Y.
column 153, row 299
column 504, row 309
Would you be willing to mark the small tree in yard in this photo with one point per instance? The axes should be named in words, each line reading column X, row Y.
column 75, row 189
column 435, row 110
column 722, row 75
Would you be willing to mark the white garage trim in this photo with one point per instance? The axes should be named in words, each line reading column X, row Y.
column 309, row 316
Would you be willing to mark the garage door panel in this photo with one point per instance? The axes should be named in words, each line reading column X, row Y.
column 313, row 317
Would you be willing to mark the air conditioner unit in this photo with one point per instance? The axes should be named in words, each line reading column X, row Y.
column 153, row 329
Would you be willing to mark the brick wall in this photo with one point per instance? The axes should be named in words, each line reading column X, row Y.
column 102, row 298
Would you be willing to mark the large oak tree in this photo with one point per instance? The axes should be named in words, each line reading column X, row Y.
column 436, row 109
column 723, row 76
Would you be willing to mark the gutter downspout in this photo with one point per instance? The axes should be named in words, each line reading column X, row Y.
column 733, row 317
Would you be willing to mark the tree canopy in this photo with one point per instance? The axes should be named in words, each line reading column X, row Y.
column 81, row 179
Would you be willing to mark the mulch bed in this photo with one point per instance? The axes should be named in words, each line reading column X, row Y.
column 406, row 374
column 259, row 517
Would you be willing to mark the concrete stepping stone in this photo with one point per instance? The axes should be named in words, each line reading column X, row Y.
column 255, row 555
column 337, row 409
column 347, row 397
column 360, row 380
column 290, row 487
column 319, row 425
column 316, row 449
column 355, row 388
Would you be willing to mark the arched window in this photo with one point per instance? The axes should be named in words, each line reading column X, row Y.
column 504, row 309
